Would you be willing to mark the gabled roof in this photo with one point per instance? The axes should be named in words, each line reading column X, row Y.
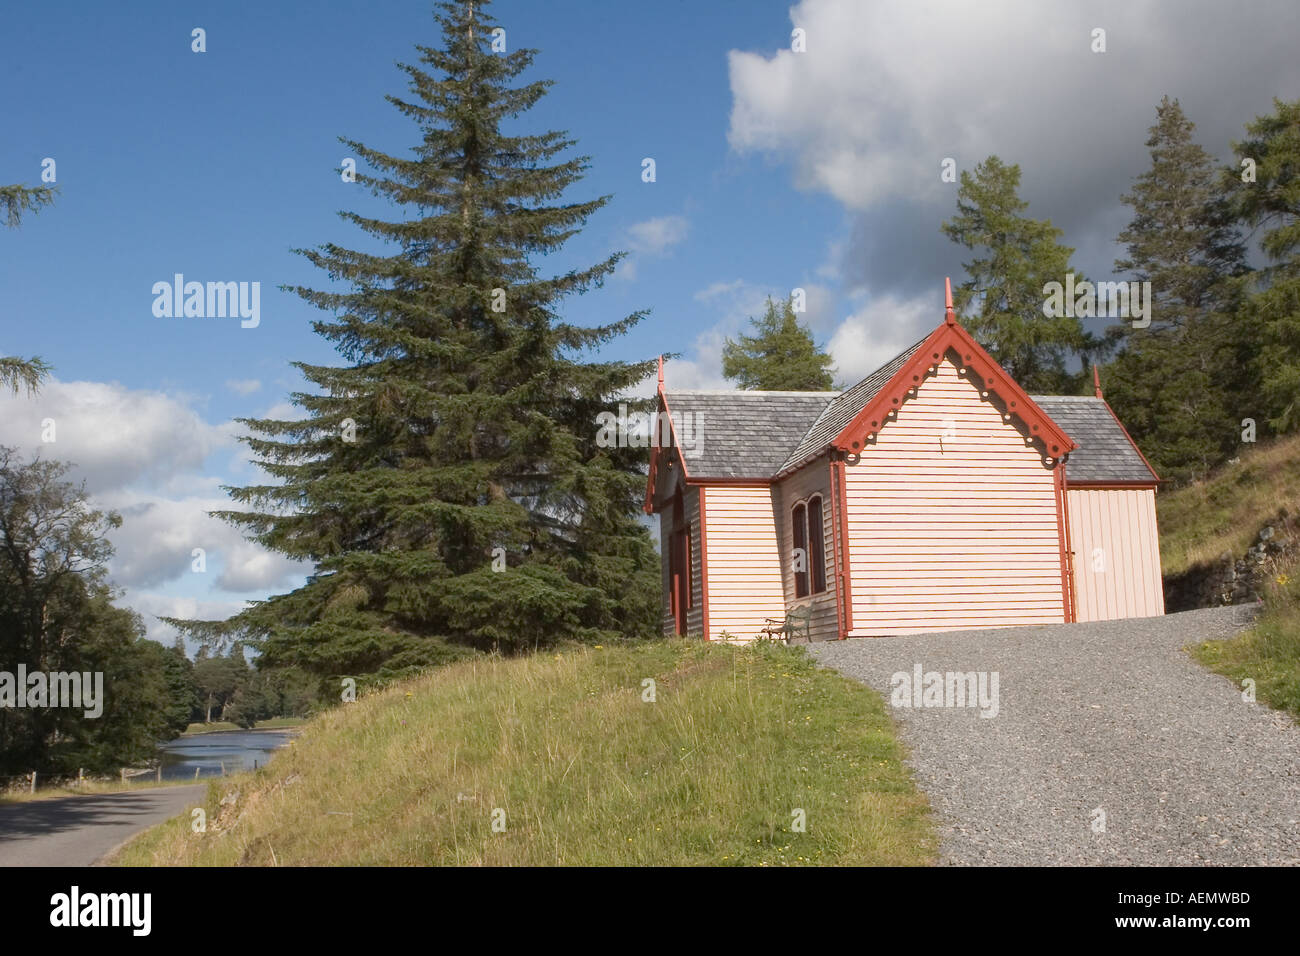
column 745, row 434
column 1105, row 454
column 844, row 407
column 761, row 436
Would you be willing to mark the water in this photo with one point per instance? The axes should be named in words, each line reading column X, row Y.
column 235, row 749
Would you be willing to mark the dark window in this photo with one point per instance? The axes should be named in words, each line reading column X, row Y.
column 800, row 551
column 686, row 565
column 816, row 549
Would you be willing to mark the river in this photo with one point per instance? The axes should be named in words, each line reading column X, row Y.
column 233, row 750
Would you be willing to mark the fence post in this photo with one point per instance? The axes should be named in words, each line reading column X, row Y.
column 124, row 775
column 81, row 777
column 33, row 781
column 196, row 773
column 160, row 773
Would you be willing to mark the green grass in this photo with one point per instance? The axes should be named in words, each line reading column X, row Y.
column 273, row 723
column 1221, row 515
column 1269, row 653
column 585, row 770
column 1201, row 522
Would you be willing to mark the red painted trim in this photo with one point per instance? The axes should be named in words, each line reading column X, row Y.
column 1063, row 541
column 853, row 437
column 1069, row 545
column 1115, row 485
column 836, row 505
column 657, row 450
column 752, row 482
column 844, row 546
column 1131, row 441
column 704, row 569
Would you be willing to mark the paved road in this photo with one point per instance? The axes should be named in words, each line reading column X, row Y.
column 1111, row 717
column 77, row 831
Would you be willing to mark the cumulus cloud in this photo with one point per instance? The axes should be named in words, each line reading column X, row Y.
column 878, row 330
column 651, row 238
column 885, row 92
column 158, row 537
column 243, row 386
column 115, row 436
column 148, row 456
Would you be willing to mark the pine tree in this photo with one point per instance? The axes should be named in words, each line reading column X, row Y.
column 447, row 483
column 15, row 372
column 1176, row 383
column 1272, row 200
column 1006, row 285
column 781, row 355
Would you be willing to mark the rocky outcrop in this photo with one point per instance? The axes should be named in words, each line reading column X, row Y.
column 1237, row 580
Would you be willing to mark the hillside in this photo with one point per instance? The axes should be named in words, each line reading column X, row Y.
column 1237, row 535
column 586, row 770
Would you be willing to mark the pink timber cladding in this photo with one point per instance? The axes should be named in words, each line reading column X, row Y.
column 744, row 563
column 951, row 516
column 952, row 519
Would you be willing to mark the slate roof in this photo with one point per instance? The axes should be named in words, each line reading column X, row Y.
column 840, row 411
column 745, row 434
column 1105, row 452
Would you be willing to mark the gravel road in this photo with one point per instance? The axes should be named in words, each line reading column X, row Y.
column 77, row 831
column 1111, row 718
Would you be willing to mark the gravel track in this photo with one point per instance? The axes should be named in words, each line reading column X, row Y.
column 1112, row 716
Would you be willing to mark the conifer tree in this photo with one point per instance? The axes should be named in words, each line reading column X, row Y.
column 781, row 355
column 447, row 481
column 1271, row 199
column 1002, row 302
column 16, row 372
column 1178, row 382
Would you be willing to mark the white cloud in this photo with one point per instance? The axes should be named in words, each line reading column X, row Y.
column 115, row 436
column 243, row 386
column 150, row 607
column 878, row 331
column 651, row 238
column 656, row 236
column 158, row 536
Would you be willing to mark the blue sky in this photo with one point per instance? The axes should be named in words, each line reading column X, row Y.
column 775, row 170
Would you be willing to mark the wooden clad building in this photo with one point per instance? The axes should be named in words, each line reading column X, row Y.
column 932, row 495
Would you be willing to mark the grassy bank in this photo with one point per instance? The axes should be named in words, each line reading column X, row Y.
column 1269, row 653
column 563, row 750
column 1223, row 515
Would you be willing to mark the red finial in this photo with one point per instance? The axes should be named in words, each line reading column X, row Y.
column 1096, row 380
column 661, row 373
column 948, row 315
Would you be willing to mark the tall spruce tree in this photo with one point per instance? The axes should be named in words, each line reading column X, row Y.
column 780, row 356
column 1005, row 288
column 1271, row 200
column 1177, row 383
column 448, row 483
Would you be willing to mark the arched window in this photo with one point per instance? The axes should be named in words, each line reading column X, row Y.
column 800, row 520
column 809, row 548
column 816, row 548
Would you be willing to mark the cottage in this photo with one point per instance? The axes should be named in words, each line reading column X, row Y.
column 932, row 495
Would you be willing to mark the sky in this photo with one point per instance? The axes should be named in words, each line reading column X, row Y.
column 775, row 169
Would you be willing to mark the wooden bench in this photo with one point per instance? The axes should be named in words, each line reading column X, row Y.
column 796, row 618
